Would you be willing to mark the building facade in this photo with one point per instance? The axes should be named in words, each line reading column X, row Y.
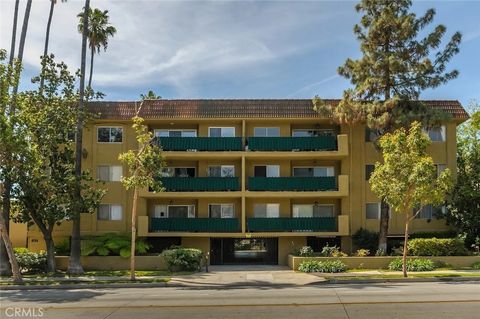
column 248, row 181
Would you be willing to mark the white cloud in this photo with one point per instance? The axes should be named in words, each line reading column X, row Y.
column 171, row 43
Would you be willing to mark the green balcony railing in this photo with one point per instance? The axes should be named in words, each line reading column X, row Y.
column 200, row 184
column 314, row 143
column 292, row 183
column 195, row 224
column 286, row 224
column 200, row 143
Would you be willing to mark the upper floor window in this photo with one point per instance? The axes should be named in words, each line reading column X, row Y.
column 178, row 172
column 312, row 132
column 221, row 132
column 266, row 131
column 312, row 210
column 109, row 173
column 221, row 210
column 110, row 134
column 271, row 210
column 436, row 134
column 429, row 212
column 317, row 171
column 175, row 133
column 369, row 168
column 221, row 171
column 110, row 212
column 373, row 210
column 371, row 135
column 266, row 171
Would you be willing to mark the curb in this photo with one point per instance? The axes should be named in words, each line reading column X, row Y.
column 408, row 280
column 231, row 286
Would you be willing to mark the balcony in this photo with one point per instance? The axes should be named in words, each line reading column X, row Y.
column 317, row 143
column 220, row 225
column 200, row 143
column 200, row 184
column 288, row 224
column 292, row 183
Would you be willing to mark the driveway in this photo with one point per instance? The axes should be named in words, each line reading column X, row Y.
column 250, row 275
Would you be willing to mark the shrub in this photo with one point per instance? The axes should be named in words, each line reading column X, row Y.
column 362, row 253
column 436, row 234
column 112, row 245
column 412, row 265
column 476, row 265
column 31, row 262
column 437, row 247
column 179, row 259
column 63, row 248
column 365, row 239
column 305, row 251
column 332, row 251
column 331, row 266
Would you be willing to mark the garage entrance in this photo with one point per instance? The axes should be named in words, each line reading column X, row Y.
column 239, row 251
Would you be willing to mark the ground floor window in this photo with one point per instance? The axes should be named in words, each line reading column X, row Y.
column 110, row 212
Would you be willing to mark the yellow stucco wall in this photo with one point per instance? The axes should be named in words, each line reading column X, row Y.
column 351, row 164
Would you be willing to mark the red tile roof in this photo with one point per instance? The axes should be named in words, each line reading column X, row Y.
column 241, row 108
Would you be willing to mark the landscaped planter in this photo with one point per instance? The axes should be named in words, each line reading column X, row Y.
column 383, row 261
column 115, row 263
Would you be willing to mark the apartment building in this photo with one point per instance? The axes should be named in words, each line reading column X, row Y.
column 246, row 180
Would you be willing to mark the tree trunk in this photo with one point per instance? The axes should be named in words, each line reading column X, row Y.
column 74, row 266
column 17, row 277
column 51, row 266
column 405, row 248
column 134, row 234
column 5, row 268
column 383, row 234
column 23, row 36
column 14, row 32
column 47, row 36
column 91, row 68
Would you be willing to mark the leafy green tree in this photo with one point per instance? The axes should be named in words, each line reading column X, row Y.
column 407, row 179
column 464, row 205
column 144, row 165
column 74, row 264
column 151, row 95
column 399, row 60
column 99, row 30
column 46, row 177
column 11, row 142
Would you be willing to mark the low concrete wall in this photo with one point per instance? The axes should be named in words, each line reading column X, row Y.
column 382, row 262
column 114, row 263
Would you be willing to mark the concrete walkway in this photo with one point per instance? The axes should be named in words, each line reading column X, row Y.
column 246, row 276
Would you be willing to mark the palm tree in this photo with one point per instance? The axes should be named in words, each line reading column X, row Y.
column 14, row 32
column 150, row 96
column 74, row 264
column 47, row 34
column 99, row 30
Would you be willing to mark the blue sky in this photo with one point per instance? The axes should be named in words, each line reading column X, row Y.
column 235, row 49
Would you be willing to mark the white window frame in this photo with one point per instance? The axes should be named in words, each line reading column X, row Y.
column 266, row 131
column 443, row 133
column 267, row 205
column 221, row 209
column 110, row 127
column 110, row 212
column 332, row 171
column 174, row 130
column 221, row 169
column 295, row 213
column 190, row 210
column 221, row 128
column 266, row 169
column 110, row 172
column 173, row 167
column 332, row 131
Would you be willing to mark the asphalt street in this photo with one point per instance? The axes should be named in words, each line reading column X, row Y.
column 350, row 301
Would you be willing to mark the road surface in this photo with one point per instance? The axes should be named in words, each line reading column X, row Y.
column 354, row 301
